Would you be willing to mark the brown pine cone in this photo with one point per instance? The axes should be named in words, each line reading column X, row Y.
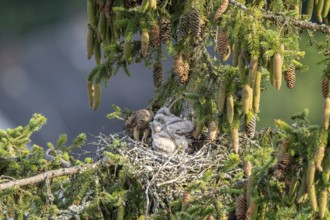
column 325, row 87
column 282, row 166
column 250, row 127
column 195, row 24
column 165, row 29
column 183, row 27
column 181, row 68
column 241, row 207
column 155, row 36
column 222, row 9
column 158, row 74
column 290, row 76
column 223, row 43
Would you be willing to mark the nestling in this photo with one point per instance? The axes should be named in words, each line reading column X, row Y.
column 170, row 132
column 138, row 123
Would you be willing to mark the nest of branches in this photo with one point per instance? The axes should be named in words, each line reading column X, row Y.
column 167, row 177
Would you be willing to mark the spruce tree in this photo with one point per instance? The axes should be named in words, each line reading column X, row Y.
column 222, row 53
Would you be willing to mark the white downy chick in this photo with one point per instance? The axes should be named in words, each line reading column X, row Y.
column 169, row 131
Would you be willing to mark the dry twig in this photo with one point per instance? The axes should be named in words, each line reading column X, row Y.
column 53, row 173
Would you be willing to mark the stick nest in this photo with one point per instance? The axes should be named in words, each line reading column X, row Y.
column 165, row 176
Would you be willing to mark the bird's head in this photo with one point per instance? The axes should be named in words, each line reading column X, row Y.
column 155, row 127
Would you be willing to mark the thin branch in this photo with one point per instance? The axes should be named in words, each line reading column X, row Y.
column 55, row 173
column 168, row 182
column 299, row 23
column 282, row 19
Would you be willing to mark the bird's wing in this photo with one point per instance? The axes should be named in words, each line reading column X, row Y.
column 131, row 121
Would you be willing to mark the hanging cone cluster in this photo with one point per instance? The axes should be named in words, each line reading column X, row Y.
column 158, row 74
column 165, row 29
column 195, row 25
column 183, row 27
column 222, row 9
column 223, row 44
column 241, row 207
column 282, row 165
column 250, row 127
column 325, row 87
column 290, row 76
column 155, row 36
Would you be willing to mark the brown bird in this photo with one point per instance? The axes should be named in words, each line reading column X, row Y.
column 138, row 123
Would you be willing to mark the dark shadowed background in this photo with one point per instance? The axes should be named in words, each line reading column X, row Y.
column 43, row 69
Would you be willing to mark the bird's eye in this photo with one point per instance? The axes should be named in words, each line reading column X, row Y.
column 158, row 119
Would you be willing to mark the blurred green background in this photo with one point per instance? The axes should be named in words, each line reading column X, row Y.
column 306, row 94
column 20, row 18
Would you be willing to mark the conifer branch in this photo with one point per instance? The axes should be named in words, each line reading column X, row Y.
column 55, row 173
column 282, row 19
column 299, row 23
